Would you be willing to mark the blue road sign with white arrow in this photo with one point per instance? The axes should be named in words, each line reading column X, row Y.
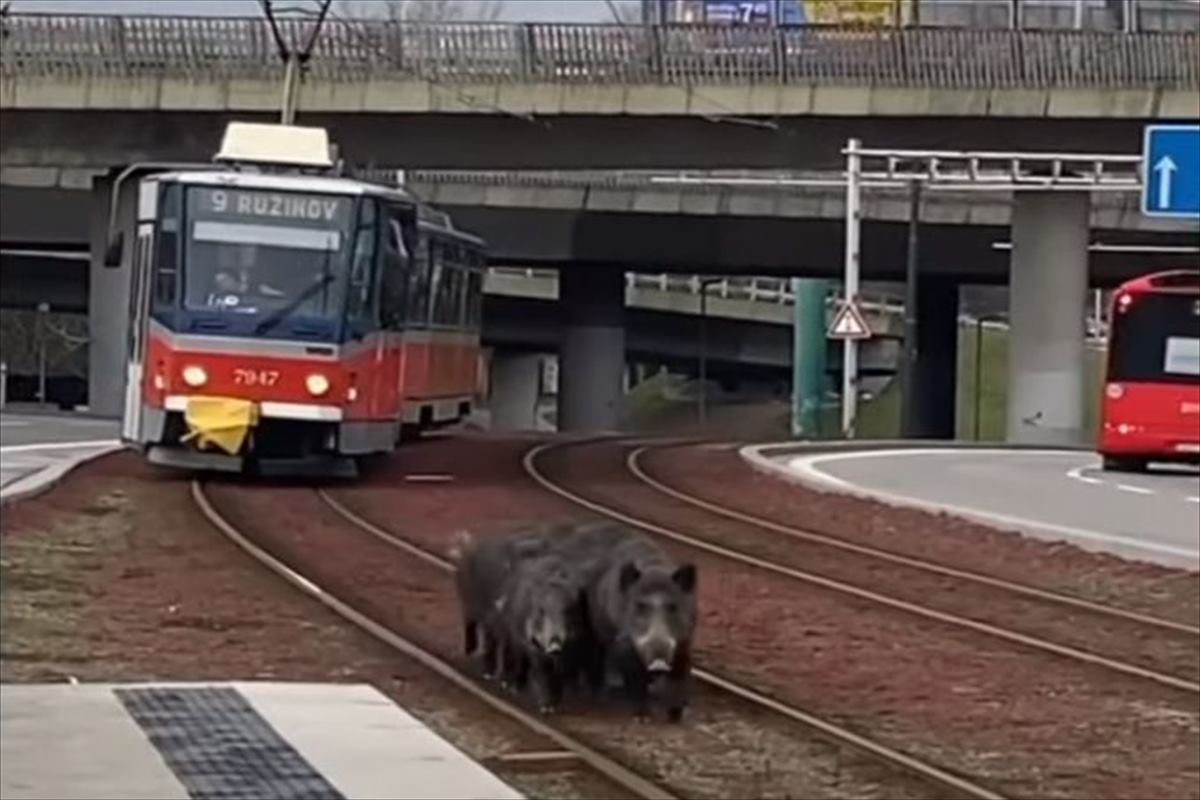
column 1171, row 161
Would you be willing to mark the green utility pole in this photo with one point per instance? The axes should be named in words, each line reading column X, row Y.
column 808, row 354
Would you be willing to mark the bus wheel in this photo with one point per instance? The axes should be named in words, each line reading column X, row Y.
column 1124, row 464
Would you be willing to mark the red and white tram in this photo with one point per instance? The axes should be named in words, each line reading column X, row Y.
column 281, row 312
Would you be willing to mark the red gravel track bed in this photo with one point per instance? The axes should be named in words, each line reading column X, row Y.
column 165, row 597
column 1028, row 723
column 721, row 476
column 721, row 751
column 1173, row 653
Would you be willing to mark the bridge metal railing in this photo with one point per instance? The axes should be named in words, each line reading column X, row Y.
column 776, row 291
column 88, row 46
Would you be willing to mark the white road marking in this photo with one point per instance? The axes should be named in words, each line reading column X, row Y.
column 807, row 467
column 1192, row 499
column 28, row 448
column 1124, row 487
column 13, row 423
column 1077, row 474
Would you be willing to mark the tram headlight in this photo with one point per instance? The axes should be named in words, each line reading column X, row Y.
column 195, row 376
column 317, row 384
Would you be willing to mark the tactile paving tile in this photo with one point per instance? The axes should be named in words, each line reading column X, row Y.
column 220, row 748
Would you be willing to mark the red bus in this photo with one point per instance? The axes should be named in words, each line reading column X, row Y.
column 1151, row 405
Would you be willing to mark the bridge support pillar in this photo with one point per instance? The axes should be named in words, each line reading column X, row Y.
column 592, row 349
column 1047, row 298
column 515, row 383
column 935, row 372
column 108, row 301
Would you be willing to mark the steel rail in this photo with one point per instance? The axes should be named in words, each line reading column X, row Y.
column 880, row 752
column 633, row 462
column 610, row 769
column 841, row 587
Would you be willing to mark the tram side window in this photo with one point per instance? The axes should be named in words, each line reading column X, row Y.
column 393, row 283
column 418, row 284
column 358, row 303
column 166, row 253
column 439, row 281
column 475, row 298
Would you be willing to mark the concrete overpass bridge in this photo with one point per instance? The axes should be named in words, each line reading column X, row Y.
column 102, row 91
column 782, row 223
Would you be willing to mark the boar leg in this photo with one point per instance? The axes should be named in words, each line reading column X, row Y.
column 545, row 685
column 492, row 655
column 637, row 686
column 470, row 637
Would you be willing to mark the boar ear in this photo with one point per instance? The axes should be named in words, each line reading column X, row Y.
column 629, row 575
column 685, row 576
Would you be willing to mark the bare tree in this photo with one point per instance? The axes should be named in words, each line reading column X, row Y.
column 427, row 10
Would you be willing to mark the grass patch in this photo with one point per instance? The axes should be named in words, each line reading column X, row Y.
column 879, row 417
column 45, row 591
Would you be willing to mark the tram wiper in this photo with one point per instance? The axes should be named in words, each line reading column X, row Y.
column 286, row 311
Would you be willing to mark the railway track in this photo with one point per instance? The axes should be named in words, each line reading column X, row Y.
column 931, row 775
column 634, row 462
column 606, row 767
column 628, row 512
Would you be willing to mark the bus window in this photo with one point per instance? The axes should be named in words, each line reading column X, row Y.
column 166, row 255
column 359, row 307
column 1155, row 339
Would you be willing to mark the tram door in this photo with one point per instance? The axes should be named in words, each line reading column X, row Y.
column 140, row 282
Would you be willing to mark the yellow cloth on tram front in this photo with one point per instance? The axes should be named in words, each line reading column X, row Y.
column 221, row 421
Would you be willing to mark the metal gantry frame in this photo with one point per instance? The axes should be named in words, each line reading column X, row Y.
column 958, row 170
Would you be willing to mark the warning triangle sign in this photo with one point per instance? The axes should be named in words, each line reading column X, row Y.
column 848, row 323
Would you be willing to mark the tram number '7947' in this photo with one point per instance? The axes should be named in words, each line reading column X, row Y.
column 255, row 377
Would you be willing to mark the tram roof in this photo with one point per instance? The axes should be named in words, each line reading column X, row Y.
column 323, row 184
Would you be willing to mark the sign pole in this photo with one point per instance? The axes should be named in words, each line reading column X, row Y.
column 853, row 232
column 808, row 354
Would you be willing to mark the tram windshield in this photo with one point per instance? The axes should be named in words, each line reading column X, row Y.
column 276, row 254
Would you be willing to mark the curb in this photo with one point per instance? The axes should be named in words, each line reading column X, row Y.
column 760, row 458
column 45, row 479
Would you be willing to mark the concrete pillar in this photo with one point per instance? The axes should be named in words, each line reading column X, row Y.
column 1047, row 296
column 935, row 373
column 108, row 301
column 592, row 348
column 515, row 384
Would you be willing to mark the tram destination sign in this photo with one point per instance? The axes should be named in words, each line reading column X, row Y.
column 290, row 207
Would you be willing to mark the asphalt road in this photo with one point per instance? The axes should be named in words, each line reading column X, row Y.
column 30, row 442
column 1054, row 495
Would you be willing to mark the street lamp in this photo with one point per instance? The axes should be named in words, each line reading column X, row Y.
column 702, row 398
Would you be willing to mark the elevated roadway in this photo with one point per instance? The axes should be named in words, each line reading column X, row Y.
column 101, row 90
column 747, row 223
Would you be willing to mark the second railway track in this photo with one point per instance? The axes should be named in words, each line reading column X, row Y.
column 837, row 566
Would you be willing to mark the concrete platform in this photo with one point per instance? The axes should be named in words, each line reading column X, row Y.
column 210, row 740
column 38, row 449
